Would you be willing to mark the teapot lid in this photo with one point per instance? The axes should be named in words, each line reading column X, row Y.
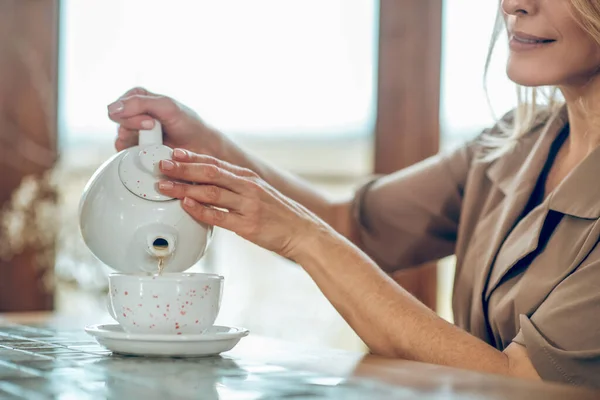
column 139, row 167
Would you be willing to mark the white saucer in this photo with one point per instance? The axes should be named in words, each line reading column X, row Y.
column 215, row 340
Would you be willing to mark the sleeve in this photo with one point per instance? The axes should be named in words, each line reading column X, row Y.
column 562, row 336
column 411, row 217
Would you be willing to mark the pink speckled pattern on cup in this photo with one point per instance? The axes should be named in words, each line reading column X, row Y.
column 172, row 303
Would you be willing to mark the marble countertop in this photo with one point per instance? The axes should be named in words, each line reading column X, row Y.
column 40, row 360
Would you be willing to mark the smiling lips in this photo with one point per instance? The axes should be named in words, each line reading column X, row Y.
column 524, row 41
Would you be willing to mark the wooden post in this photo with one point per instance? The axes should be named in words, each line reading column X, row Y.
column 28, row 151
column 407, row 129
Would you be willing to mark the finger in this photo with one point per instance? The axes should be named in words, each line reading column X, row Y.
column 121, row 144
column 127, row 137
column 211, row 216
column 206, row 194
column 184, row 155
column 114, row 107
column 128, row 132
column 137, row 90
column 137, row 122
column 160, row 107
column 125, row 133
column 207, row 174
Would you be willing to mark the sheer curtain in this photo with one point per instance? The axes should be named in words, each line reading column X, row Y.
column 268, row 68
column 465, row 111
column 467, row 31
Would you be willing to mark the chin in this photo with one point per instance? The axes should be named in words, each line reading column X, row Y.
column 530, row 76
column 537, row 73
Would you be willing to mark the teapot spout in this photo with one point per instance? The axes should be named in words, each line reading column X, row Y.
column 160, row 245
column 152, row 244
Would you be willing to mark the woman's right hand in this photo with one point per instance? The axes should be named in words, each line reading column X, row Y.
column 182, row 127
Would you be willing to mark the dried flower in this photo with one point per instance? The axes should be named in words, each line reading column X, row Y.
column 28, row 222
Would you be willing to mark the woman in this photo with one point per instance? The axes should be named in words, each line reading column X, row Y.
column 519, row 207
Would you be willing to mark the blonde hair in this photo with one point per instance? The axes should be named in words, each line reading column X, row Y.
column 535, row 105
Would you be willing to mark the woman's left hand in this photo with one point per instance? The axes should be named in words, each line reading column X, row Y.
column 245, row 204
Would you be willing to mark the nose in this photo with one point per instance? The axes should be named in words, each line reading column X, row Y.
column 519, row 7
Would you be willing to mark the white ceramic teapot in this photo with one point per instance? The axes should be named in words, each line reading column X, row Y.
column 128, row 224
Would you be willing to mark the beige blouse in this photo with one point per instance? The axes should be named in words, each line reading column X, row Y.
column 532, row 279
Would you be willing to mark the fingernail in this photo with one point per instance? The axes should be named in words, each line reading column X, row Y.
column 148, row 124
column 189, row 202
column 165, row 185
column 167, row 165
column 179, row 153
column 116, row 107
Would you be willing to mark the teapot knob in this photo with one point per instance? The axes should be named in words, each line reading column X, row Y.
column 151, row 136
column 139, row 167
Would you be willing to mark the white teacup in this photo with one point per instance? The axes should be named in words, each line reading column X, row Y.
column 171, row 303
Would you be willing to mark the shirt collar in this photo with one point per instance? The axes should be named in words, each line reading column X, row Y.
column 520, row 168
column 577, row 195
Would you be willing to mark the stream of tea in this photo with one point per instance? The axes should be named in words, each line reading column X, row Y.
column 161, row 265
